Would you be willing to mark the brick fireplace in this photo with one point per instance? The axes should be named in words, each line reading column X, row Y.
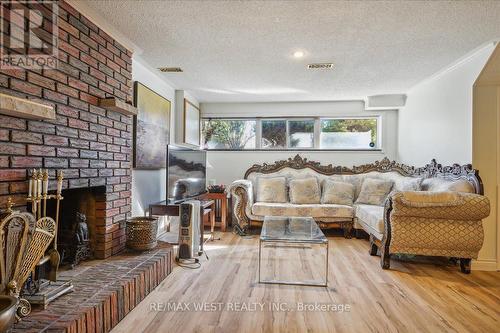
column 90, row 144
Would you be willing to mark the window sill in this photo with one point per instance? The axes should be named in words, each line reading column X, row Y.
column 297, row 150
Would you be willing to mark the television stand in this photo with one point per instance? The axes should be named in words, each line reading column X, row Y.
column 165, row 208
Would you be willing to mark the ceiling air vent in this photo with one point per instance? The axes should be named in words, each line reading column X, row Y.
column 320, row 66
column 170, row 69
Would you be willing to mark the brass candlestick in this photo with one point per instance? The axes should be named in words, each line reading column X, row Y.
column 39, row 191
column 10, row 204
column 45, row 179
column 33, row 192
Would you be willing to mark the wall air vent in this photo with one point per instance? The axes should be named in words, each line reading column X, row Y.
column 170, row 69
column 320, row 66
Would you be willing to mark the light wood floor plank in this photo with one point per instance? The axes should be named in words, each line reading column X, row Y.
column 411, row 297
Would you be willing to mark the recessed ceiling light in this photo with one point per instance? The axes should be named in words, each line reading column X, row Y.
column 298, row 54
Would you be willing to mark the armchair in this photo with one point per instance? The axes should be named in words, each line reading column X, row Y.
column 433, row 224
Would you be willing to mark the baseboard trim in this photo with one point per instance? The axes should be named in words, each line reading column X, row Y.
column 484, row 265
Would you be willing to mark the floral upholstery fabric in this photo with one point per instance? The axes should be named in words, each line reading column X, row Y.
column 304, row 191
column 428, row 184
column 290, row 174
column 374, row 191
column 356, row 181
column 441, row 185
column 408, row 184
column 313, row 210
column 271, row 189
column 337, row 193
column 371, row 216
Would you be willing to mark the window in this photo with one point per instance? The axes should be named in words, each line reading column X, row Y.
column 273, row 134
column 353, row 133
column 301, row 133
column 360, row 133
column 233, row 134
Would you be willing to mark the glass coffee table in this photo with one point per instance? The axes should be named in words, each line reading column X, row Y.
column 295, row 231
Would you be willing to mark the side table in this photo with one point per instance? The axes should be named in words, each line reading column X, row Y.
column 221, row 204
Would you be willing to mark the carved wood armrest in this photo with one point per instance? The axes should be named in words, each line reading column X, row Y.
column 244, row 185
column 242, row 192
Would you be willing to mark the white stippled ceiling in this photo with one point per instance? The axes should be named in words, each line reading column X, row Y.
column 242, row 50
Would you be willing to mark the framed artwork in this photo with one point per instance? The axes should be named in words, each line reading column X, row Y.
column 151, row 128
column 191, row 123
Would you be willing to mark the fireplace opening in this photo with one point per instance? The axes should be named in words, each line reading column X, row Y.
column 76, row 230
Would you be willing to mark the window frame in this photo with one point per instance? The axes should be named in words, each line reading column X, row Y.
column 378, row 119
column 257, row 129
column 314, row 119
column 316, row 133
column 260, row 119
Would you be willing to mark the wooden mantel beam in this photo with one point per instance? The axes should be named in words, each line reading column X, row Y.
column 25, row 108
column 117, row 105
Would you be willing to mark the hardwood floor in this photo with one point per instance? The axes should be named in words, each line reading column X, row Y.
column 411, row 297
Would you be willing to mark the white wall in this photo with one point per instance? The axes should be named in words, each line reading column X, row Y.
column 486, row 155
column 437, row 123
column 149, row 186
column 276, row 109
column 227, row 166
column 180, row 95
column 437, row 119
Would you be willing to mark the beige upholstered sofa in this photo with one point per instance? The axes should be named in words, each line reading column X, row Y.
column 442, row 217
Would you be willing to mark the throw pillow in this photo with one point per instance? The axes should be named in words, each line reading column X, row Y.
column 335, row 192
column 304, row 191
column 271, row 189
column 374, row 191
column 407, row 184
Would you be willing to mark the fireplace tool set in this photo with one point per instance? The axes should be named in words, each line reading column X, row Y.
column 43, row 287
column 25, row 238
column 38, row 196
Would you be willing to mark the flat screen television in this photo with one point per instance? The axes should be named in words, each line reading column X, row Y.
column 186, row 173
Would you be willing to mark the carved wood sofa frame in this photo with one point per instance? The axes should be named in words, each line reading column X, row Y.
column 433, row 169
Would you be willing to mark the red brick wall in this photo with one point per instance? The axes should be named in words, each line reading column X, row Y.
column 91, row 144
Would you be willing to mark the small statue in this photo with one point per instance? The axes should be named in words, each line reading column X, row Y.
column 81, row 236
column 81, row 231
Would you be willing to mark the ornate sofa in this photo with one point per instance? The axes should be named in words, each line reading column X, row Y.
column 442, row 218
